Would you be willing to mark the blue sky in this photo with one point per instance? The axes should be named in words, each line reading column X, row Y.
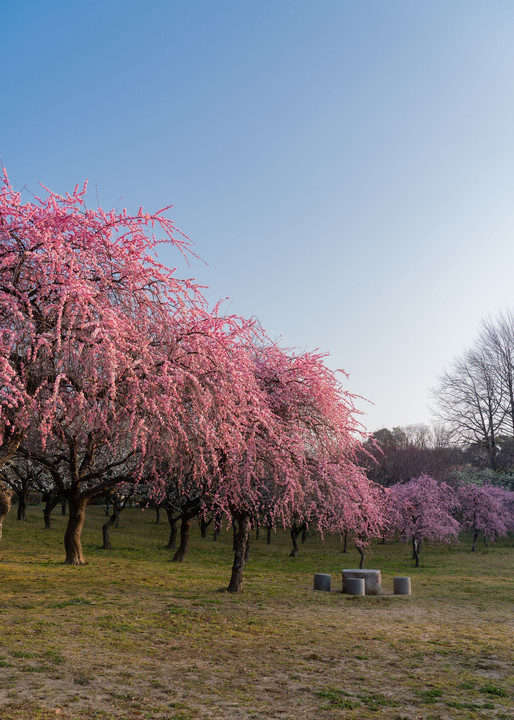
column 345, row 169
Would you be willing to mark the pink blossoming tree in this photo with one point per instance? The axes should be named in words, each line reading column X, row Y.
column 486, row 509
column 304, row 467
column 91, row 326
column 422, row 510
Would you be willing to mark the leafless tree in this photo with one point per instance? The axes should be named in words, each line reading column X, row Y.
column 497, row 339
column 470, row 401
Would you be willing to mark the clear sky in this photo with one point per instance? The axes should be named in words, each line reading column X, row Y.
column 345, row 169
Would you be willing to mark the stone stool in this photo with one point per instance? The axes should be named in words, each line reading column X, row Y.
column 355, row 586
column 372, row 580
column 322, row 581
column 401, row 586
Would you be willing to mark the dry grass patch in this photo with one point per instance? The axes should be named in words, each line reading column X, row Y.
column 131, row 635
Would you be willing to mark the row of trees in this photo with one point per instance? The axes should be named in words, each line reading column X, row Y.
column 113, row 371
column 418, row 511
column 424, row 509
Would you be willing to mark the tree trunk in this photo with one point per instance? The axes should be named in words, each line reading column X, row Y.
column 72, row 542
column 9, row 448
column 157, row 514
column 268, row 534
column 204, row 524
column 485, row 541
column 63, row 507
column 305, row 533
column 475, row 538
column 217, row 528
column 295, row 531
column 361, row 553
column 345, row 542
column 185, row 525
column 416, row 545
column 22, row 507
column 50, row 504
column 107, row 527
column 172, row 542
column 5, row 504
column 241, row 544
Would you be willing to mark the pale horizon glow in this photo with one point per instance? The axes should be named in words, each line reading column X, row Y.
column 345, row 169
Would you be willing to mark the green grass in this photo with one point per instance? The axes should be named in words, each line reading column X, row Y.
column 132, row 635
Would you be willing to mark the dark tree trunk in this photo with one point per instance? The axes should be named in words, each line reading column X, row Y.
column 107, row 526
column 416, row 545
column 361, row 553
column 51, row 502
column 475, row 538
column 185, row 525
column 305, row 533
column 234, row 536
column 157, row 514
column 295, row 532
column 485, row 541
column 217, row 528
column 72, row 542
column 204, row 524
column 241, row 545
column 63, row 507
column 107, row 509
column 172, row 542
column 257, row 530
column 22, row 507
column 345, row 542
column 268, row 534
column 415, row 548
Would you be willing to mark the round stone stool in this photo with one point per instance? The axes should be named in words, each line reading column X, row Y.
column 401, row 586
column 355, row 586
column 322, row 581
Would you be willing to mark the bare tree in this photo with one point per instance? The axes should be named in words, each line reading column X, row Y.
column 497, row 339
column 470, row 401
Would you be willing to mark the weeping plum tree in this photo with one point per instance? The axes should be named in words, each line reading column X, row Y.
column 109, row 365
column 90, row 327
column 422, row 510
column 216, row 400
column 300, row 449
column 361, row 512
column 486, row 509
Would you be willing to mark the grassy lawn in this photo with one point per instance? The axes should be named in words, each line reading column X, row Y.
column 132, row 635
